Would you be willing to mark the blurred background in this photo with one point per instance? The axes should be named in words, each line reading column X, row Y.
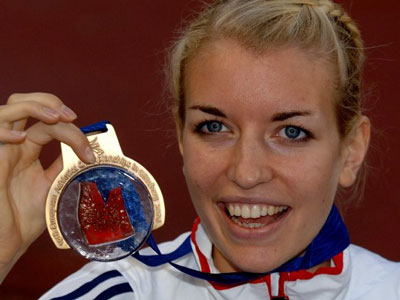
column 105, row 59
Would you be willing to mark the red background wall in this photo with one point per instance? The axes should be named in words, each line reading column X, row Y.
column 104, row 59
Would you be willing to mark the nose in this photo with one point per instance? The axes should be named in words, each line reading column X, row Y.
column 249, row 165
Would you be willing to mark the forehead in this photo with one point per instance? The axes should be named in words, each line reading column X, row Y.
column 283, row 78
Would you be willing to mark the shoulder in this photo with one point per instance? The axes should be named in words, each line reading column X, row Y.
column 93, row 280
column 377, row 266
column 373, row 275
column 131, row 279
column 127, row 278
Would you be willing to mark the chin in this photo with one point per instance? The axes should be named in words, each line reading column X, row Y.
column 251, row 259
column 256, row 266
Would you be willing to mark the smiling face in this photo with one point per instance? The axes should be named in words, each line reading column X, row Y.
column 261, row 150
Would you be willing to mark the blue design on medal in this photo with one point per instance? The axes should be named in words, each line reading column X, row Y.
column 137, row 202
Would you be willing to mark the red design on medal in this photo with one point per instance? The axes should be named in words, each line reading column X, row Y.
column 103, row 222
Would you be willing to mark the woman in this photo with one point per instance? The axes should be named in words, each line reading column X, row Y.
column 270, row 127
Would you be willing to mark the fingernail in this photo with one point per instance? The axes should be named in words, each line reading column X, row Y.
column 67, row 112
column 89, row 155
column 51, row 112
column 18, row 133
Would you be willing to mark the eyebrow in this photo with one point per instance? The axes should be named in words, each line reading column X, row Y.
column 278, row 117
column 209, row 110
column 287, row 115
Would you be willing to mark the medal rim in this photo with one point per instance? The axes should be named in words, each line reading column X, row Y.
column 103, row 158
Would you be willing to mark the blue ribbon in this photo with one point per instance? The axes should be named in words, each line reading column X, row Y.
column 330, row 241
column 99, row 126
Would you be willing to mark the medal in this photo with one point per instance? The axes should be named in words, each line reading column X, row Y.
column 105, row 210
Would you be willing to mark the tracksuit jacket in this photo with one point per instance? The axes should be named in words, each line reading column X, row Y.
column 355, row 273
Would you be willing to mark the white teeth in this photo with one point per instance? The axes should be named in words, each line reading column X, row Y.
column 245, row 211
column 271, row 210
column 253, row 211
column 238, row 211
column 264, row 210
column 231, row 210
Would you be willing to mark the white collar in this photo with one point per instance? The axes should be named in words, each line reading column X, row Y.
column 331, row 281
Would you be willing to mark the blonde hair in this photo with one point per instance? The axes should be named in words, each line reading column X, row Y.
column 261, row 24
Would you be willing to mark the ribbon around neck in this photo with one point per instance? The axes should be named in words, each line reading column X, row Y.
column 332, row 239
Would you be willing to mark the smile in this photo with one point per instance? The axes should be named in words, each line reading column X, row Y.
column 254, row 215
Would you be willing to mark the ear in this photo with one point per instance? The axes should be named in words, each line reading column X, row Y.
column 179, row 135
column 356, row 146
column 179, row 132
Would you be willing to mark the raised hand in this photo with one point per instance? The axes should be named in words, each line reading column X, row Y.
column 23, row 181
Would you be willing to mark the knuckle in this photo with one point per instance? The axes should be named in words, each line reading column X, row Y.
column 51, row 98
column 79, row 143
column 33, row 108
column 83, row 140
column 13, row 98
column 72, row 134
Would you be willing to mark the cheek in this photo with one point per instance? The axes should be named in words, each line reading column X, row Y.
column 202, row 172
column 314, row 177
column 202, row 168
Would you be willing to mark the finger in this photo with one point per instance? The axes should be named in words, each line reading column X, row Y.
column 19, row 125
column 41, row 134
column 44, row 98
column 52, row 102
column 61, row 114
column 11, row 136
column 15, row 112
column 54, row 169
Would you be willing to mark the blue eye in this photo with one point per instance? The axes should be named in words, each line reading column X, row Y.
column 293, row 133
column 213, row 126
column 210, row 127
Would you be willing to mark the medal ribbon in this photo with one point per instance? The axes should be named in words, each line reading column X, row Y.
column 330, row 241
